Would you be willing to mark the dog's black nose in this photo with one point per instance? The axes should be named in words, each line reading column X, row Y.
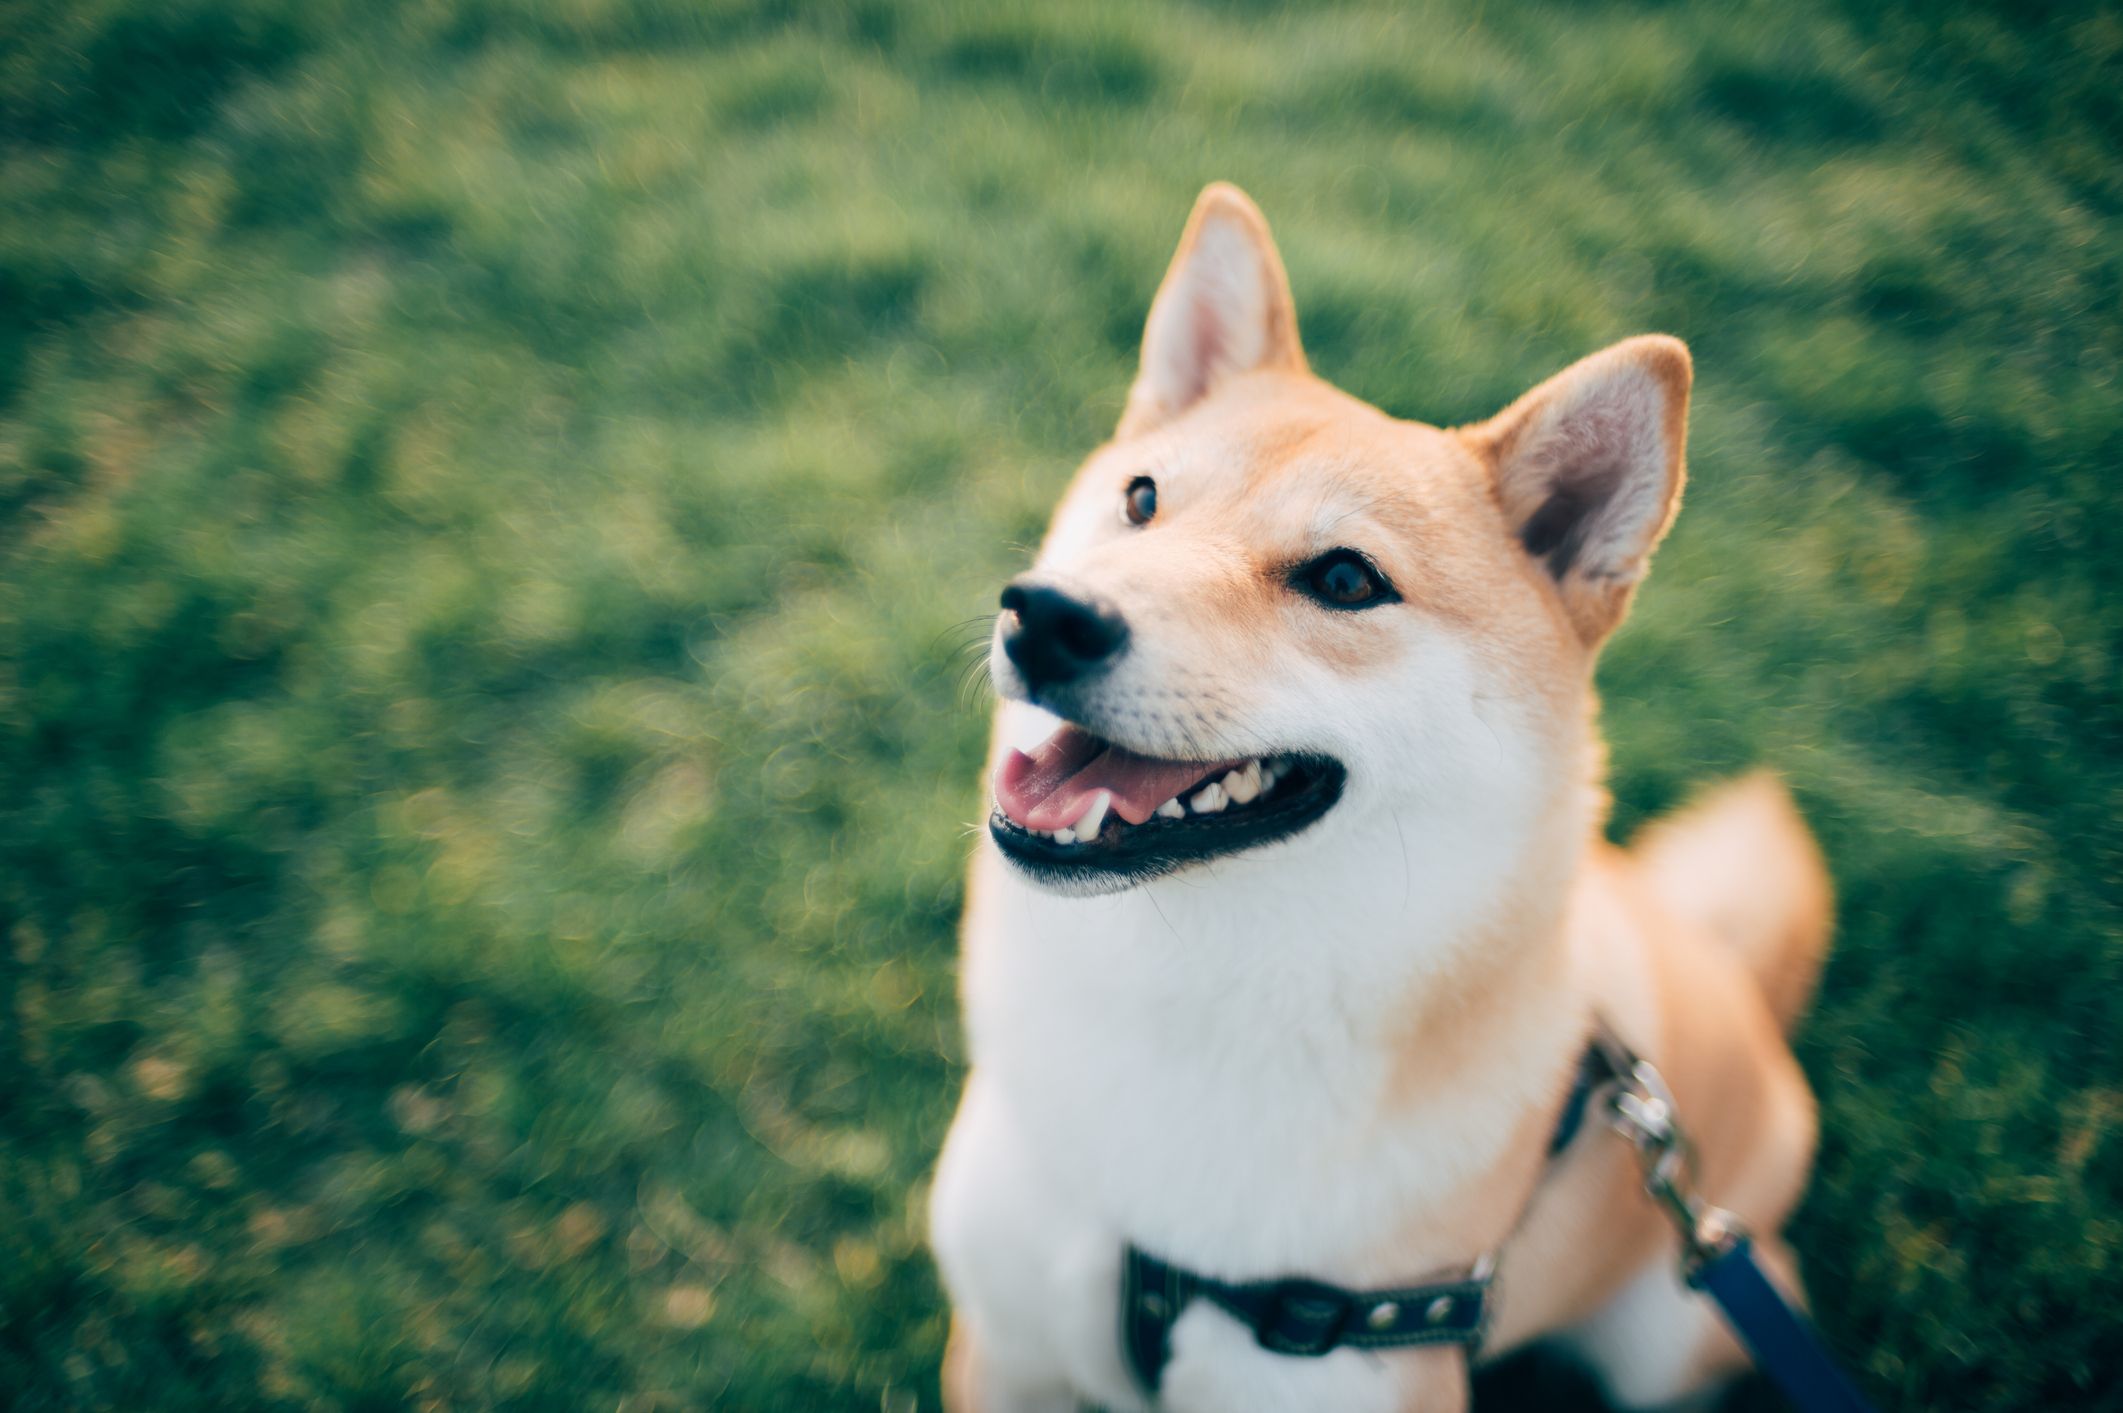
column 1057, row 639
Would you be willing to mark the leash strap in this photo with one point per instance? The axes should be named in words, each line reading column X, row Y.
column 1299, row 1317
column 1784, row 1343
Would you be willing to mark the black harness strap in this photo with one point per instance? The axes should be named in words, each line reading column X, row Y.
column 1595, row 1068
column 1298, row 1317
column 1309, row 1318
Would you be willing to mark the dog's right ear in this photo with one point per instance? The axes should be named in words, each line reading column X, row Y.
column 1224, row 309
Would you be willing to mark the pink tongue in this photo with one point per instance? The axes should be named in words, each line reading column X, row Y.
column 1051, row 788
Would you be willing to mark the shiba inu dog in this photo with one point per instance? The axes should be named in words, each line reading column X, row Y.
column 1294, row 912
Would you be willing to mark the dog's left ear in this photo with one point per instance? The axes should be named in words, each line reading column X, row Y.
column 1589, row 469
column 1224, row 309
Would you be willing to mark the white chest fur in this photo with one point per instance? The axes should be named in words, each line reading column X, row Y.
column 1199, row 1067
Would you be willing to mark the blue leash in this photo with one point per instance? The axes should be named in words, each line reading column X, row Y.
column 1784, row 1343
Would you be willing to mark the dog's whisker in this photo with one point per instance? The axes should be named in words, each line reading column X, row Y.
column 968, row 632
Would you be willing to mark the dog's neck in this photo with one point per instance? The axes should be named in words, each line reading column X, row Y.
column 1379, row 993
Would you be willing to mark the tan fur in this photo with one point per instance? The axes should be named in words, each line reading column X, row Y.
column 1453, row 1022
column 1740, row 864
column 960, row 1375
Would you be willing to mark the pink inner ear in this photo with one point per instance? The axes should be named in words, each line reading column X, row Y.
column 1206, row 348
column 1593, row 478
column 1216, row 316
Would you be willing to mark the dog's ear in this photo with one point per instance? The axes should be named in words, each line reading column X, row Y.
column 1224, row 309
column 1589, row 469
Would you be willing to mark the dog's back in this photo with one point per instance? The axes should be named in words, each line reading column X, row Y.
column 1740, row 864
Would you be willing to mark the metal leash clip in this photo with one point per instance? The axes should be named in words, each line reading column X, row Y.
column 1642, row 1111
column 1716, row 1256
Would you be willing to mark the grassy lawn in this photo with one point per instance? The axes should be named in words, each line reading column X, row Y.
column 487, row 492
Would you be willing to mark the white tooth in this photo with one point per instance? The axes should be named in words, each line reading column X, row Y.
column 1172, row 809
column 1065, row 836
column 1244, row 786
column 1094, row 816
column 1210, row 799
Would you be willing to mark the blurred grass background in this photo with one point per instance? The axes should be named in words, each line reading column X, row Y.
column 485, row 494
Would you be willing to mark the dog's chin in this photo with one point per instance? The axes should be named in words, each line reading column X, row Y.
column 1120, row 855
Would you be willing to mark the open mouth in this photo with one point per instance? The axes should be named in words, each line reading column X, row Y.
column 1081, row 810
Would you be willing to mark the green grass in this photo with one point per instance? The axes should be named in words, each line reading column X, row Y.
column 485, row 495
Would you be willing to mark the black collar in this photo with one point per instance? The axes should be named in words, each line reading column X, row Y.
column 1295, row 1316
column 1309, row 1318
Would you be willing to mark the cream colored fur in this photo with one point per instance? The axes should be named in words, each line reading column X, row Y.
column 1340, row 1055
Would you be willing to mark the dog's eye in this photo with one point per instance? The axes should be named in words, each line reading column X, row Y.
column 1140, row 503
column 1343, row 578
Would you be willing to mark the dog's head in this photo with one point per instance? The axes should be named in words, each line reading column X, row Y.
column 1267, row 608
